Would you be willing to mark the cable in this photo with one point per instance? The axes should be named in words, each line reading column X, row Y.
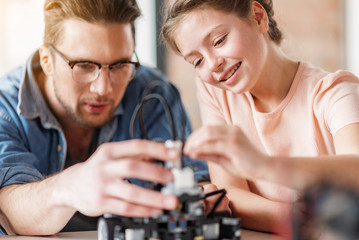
column 223, row 193
column 157, row 83
column 147, row 96
column 139, row 113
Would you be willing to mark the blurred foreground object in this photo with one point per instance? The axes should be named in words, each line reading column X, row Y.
column 327, row 212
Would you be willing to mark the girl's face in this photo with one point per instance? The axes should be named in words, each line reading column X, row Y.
column 227, row 51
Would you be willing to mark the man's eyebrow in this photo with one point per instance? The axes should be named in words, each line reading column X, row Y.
column 124, row 59
column 206, row 37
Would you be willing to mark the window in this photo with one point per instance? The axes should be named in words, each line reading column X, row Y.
column 352, row 36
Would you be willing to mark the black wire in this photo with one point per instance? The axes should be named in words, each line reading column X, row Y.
column 167, row 85
column 133, row 120
column 158, row 83
column 138, row 112
column 167, row 109
column 223, row 194
column 142, row 121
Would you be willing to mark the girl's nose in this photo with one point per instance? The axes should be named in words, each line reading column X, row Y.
column 215, row 63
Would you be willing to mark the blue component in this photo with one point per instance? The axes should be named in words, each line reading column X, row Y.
column 172, row 224
column 183, row 224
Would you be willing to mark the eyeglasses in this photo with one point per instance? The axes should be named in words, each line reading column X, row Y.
column 87, row 71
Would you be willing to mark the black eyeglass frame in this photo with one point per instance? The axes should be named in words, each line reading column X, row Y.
column 109, row 66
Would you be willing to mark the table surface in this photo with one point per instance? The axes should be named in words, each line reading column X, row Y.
column 92, row 235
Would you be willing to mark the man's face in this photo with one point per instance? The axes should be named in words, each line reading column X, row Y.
column 90, row 104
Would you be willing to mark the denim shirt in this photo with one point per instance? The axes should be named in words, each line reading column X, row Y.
column 33, row 145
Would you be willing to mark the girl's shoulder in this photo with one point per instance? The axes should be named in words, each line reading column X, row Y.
column 312, row 75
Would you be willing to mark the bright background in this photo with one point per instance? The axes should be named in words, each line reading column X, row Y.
column 324, row 32
column 22, row 26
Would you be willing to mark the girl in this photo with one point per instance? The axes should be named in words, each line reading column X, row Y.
column 258, row 106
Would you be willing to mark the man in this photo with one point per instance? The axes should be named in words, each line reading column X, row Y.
column 65, row 148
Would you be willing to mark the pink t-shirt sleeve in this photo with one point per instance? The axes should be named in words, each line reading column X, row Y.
column 337, row 100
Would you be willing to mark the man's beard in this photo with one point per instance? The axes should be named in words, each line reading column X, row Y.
column 77, row 117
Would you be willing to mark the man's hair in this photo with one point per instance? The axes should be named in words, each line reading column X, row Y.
column 91, row 11
column 177, row 9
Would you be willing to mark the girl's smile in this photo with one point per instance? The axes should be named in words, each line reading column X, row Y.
column 231, row 75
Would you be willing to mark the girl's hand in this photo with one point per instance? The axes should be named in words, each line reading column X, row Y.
column 228, row 147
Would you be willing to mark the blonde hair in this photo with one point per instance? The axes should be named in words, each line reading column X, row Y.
column 177, row 9
column 92, row 11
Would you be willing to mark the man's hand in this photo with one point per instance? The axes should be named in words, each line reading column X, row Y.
column 94, row 187
column 99, row 185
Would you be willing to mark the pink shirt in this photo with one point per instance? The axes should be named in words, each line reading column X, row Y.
column 317, row 105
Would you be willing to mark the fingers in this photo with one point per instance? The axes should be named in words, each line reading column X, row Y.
column 127, row 209
column 133, row 159
column 140, row 196
column 226, row 146
column 214, row 150
column 209, row 134
column 131, row 168
column 100, row 187
column 143, row 149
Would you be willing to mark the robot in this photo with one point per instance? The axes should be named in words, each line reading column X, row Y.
column 187, row 222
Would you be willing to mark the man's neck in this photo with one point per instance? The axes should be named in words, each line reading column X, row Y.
column 79, row 141
column 78, row 137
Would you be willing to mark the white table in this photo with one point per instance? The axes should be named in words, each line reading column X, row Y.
column 92, row 235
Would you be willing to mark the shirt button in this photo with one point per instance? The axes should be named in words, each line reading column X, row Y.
column 59, row 148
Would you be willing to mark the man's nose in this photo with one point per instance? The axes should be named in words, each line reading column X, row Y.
column 102, row 84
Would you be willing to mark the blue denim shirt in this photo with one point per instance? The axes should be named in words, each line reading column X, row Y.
column 32, row 144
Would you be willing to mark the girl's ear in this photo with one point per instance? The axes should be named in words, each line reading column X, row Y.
column 260, row 16
column 46, row 60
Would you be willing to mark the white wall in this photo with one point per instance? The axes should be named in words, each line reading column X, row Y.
column 352, row 36
column 21, row 32
column 146, row 38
